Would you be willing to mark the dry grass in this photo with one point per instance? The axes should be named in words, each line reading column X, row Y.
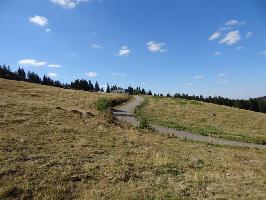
column 49, row 153
column 208, row 119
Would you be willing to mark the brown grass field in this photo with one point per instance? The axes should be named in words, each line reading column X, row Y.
column 51, row 153
column 207, row 119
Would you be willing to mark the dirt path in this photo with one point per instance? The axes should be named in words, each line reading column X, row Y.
column 125, row 112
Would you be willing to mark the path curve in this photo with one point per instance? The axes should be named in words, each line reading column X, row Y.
column 125, row 112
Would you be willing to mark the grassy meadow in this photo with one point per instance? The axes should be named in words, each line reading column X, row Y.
column 48, row 150
column 207, row 119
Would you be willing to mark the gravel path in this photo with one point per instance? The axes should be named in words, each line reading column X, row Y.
column 125, row 112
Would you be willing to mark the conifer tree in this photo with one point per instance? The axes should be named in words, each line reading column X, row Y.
column 108, row 89
column 97, row 87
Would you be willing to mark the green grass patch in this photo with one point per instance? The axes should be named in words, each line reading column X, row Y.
column 144, row 120
column 105, row 104
column 200, row 125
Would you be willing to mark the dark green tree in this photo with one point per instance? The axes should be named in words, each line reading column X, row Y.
column 21, row 74
column 108, row 88
column 97, row 87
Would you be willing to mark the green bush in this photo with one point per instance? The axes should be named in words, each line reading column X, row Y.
column 103, row 104
column 143, row 122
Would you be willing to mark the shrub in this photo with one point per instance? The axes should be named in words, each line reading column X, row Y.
column 103, row 104
column 143, row 122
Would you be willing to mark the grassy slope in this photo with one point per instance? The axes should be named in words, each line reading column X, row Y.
column 47, row 153
column 208, row 119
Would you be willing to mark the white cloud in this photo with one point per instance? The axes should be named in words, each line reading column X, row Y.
column 231, row 22
column 240, row 48
column 47, row 30
column 54, row 65
column 123, row 51
column 198, row 77
column 231, row 38
column 263, row 53
column 155, row 46
column 249, row 34
column 234, row 22
column 222, row 78
column 52, row 75
column 117, row 74
column 215, row 35
column 221, row 75
column 68, row 4
column 217, row 53
column 96, row 46
column 91, row 74
column 223, row 81
column 39, row 20
column 225, row 28
column 241, row 23
column 188, row 84
column 31, row 62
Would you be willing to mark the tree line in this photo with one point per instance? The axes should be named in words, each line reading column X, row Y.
column 254, row 104
column 78, row 84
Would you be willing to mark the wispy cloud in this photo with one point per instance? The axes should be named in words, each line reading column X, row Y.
column 48, row 30
column 222, row 78
column 198, row 77
column 221, row 75
column 91, row 74
column 117, row 74
column 240, row 48
column 217, row 53
column 52, row 75
column 123, row 51
column 223, row 28
column 234, row 22
column 155, row 46
column 68, row 4
column 231, row 38
column 215, row 35
column 188, row 84
column 231, row 22
column 262, row 53
column 31, row 62
column 249, row 34
column 96, row 46
column 223, row 81
column 39, row 20
column 54, row 65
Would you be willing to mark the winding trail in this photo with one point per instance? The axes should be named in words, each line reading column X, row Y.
column 125, row 112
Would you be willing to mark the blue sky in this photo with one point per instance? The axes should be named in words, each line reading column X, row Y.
column 198, row 47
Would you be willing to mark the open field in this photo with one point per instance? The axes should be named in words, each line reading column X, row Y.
column 207, row 119
column 50, row 152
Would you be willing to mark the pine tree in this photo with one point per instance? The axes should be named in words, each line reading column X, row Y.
column 97, row 87
column 21, row 74
column 108, row 89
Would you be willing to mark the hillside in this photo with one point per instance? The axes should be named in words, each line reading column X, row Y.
column 49, row 151
column 207, row 119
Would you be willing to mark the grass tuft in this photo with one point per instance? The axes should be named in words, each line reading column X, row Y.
column 103, row 104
